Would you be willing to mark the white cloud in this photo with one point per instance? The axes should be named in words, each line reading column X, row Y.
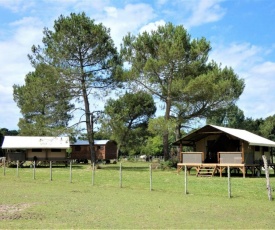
column 258, row 98
column 15, row 65
column 17, row 5
column 152, row 26
column 127, row 19
column 239, row 56
column 204, row 12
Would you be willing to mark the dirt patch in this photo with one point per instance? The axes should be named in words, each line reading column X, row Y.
column 12, row 211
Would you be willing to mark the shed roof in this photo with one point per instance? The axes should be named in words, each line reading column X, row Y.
column 207, row 130
column 26, row 142
column 86, row 142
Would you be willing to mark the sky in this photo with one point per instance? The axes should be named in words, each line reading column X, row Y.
column 241, row 33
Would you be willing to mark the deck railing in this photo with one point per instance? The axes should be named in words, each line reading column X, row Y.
column 230, row 157
column 192, row 157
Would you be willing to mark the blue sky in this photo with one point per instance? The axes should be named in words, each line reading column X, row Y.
column 241, row 32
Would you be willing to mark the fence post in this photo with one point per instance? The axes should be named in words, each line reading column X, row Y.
column 4, row 159
column 70, row 171
column 34, row 163
column 120, row 175
column 185, row 180
column 150, row 167
column 51, row 173
column 17, row 170
column 93, row 174
column 229, row 181
column 267, row 178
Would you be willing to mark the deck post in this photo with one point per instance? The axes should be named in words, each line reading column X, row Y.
column 180, row 151
column 242, row 152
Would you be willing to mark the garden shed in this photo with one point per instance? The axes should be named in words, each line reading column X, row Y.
column 218, row 147
column 105, row 150
column 40, row 148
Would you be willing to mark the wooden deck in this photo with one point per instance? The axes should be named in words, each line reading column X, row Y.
column 208, row 169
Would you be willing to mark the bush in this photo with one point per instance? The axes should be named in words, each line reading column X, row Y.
column 171, row 163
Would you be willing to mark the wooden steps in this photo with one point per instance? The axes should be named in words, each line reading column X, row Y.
column 203, row 171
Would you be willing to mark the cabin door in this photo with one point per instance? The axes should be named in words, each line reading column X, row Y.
column 222, row 144
column 211, row 153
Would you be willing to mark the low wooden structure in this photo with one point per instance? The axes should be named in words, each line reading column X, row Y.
column 215, row 148
column 26, row 148
column 105, row 150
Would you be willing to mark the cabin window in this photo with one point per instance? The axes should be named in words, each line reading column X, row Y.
column 56, row 150
column 265, row 149
column 77, row 148
column 36, row 150
column 257, row 148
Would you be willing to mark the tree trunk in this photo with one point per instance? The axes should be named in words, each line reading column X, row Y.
column 178, row 133
column 166, row 133
column 89, row 123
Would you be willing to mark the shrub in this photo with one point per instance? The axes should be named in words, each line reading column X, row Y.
column 171, row 163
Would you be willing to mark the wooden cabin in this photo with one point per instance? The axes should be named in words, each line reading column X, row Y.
column 25, row 148
column 105, row 150
column 219, row 147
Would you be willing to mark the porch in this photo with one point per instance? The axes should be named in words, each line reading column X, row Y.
column 225, row 160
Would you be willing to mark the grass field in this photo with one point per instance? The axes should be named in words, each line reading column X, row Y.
column 28, row 203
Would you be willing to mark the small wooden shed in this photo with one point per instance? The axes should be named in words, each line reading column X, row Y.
column 26, row 148
column 221, row 146
column 105, row 150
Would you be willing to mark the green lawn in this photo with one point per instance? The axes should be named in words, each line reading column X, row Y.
column 40, row 203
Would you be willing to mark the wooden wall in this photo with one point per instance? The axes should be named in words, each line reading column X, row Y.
column 103, row 152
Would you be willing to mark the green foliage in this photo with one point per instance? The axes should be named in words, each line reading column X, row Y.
column 267, row 128
column 169, row 164
column 127, row 119
column 175, row 69
column 6, row 132
column 44, row 102
column 83, row 50
column 86, row 58
column 233, row 117
column 154, row 146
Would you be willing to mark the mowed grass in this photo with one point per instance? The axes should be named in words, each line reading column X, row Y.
column 27, row 203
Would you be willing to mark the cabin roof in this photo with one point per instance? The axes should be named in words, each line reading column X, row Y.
column 207, row 130
column 26, row 142
column 86, row 142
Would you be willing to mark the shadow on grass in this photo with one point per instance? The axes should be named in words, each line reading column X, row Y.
column 124, row 168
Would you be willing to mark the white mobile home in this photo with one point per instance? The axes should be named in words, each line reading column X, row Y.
column 26, row 148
